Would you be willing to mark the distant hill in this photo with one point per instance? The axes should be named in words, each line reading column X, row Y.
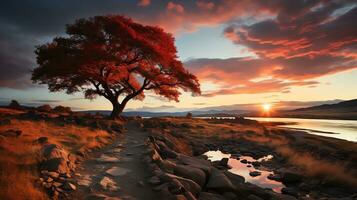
column 342, row 110
column 208, row 113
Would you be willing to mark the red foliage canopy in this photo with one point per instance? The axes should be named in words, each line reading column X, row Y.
column 113, row 56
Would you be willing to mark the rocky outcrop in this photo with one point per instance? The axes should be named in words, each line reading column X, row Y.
column 56, row 166
column 179, row 176
column 55, row 158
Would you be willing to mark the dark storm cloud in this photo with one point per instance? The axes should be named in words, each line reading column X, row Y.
column 26, row 23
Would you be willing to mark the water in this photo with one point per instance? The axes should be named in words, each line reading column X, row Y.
column 341, row 129
column 243, row 169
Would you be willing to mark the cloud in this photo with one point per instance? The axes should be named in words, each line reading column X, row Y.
column 294, row 40
column 250, row 75
column 304, row 41
column 144, row 3
column 175, row 7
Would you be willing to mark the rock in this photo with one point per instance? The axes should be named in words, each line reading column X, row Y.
column 117, row 171
column 179, row 197
column 256, row 164
column 108, row 184
column 246, row 189
column 154, row 180
column 219, row 181
column 244, row 161
column 210, row 196
column 291, row 177
column 189, row 196
column 11, row 133
column 165, row 151
column 85, row 180
column 234, row 178
column 69, row 186
column 275, row 177
column 253, row 197
column 14, row 105
column 290, row 191
column 202, row 164
column 107, row 159
column 62, row 109
column 167, row 166
column 141, row 183
column 55, row 158
column 190, row 172
column 54, row 175
column 255, row 173
column 188, row 184
column 230, row 195
column 224, row 162
column 57, row 184
column 47, row 185
column 155, row 156
column 42, row 140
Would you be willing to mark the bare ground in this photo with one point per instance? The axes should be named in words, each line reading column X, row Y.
column 120, row 165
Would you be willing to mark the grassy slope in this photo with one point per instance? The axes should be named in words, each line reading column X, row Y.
column 19, row 156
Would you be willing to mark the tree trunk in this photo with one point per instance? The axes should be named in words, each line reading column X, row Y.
column 117, row 109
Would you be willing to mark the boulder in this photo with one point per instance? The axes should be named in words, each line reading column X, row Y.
column 246, row 189
column 44, row 108
column 190, row 172
column 15, row 105
column 290, row 191
column 291, row 177
column 202, row 164
column 165, row 151
column 55, row 158
column 210, row 196
column 219, row 181
column 275, row 177
column 224, row 162
column 253, row 197
column 42, row 140
column 234, row 178
column 188, row 184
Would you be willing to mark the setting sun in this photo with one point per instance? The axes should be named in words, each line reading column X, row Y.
column 266, row 107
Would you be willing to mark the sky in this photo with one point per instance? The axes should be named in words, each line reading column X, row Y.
column 244, row 52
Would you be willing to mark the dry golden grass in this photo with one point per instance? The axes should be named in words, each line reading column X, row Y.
column 19, row 155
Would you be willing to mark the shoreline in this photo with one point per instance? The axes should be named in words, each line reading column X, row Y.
column 303, row 162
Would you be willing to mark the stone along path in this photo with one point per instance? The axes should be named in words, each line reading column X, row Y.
column 117, row 171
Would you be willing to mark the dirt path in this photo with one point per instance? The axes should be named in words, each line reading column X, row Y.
column 117, row 171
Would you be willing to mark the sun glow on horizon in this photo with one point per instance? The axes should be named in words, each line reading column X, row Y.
column 266, row 107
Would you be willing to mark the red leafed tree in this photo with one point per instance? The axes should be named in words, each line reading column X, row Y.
column 114, row 57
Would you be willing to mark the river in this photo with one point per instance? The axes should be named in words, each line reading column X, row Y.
column 341, row 129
